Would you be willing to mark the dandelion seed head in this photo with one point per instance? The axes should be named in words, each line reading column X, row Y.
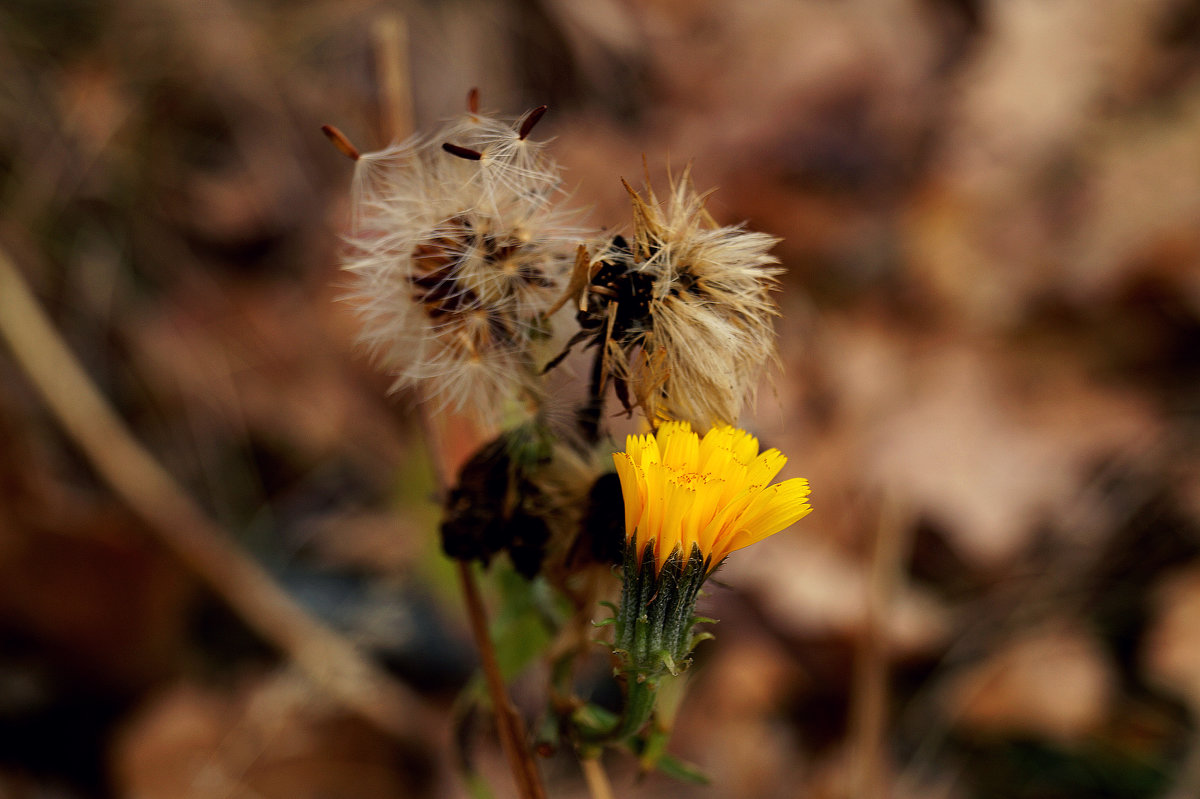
column 454, row 261
column 710, row 332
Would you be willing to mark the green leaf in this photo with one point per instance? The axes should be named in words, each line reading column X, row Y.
column 525, row 624
column 593, row 719
column 681, row 770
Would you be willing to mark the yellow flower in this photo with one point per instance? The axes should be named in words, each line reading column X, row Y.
column 683, row 492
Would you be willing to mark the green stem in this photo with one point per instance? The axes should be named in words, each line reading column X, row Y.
column 639, row 705
column 670, row 696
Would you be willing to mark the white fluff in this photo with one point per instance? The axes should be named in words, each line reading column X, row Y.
column 454, row 262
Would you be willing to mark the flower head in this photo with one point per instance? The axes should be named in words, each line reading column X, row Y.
column 521, row 493
column 683, row 311
column 689, row 502
column 684, row 493
column 458, row 251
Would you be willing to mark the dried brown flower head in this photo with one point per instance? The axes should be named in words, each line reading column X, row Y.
column 683, row 312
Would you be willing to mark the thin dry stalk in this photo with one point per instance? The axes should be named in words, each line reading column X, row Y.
column 870, row 697
column 597, row 780
column 391, row 64
column 328, row 659
column 508, row 721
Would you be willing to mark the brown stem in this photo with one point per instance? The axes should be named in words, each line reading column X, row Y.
column 391, row 64
column 509, row 725
column 508, row 721
column 870, row 696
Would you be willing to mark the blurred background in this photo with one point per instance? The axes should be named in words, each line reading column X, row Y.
column 990, row 334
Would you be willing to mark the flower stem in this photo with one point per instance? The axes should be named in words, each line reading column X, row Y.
column 671, row 690
column 508, row 722
column 639, row 704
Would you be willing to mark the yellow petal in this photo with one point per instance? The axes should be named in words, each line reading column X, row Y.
column 681, row 490
column 770, row 512
column 631, row 490
column 763, row 469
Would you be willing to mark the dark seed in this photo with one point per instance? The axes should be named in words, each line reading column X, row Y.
column 530, row 120
column 462, row 152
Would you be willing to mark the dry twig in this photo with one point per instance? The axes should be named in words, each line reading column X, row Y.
column 870, row 697
column 131, row 471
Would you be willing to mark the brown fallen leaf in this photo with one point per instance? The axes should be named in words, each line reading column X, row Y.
column 272, row 737
column 1055, row 682
column 1171, row 652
